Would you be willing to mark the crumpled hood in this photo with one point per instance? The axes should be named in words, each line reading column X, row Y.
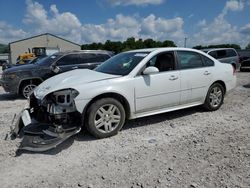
column 70, row 79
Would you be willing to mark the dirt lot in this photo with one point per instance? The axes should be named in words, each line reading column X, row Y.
column 187, row 148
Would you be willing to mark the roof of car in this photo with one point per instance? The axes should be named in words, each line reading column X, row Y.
column 163, row 48
column 215, row 49
column 85, row 51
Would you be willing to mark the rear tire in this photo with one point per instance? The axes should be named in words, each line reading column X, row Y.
column 214, row 98
column 105, row 117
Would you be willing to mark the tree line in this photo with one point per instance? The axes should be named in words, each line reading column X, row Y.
column 132, row 43
column 129, row 44
column 235, row 46
column 4, row 48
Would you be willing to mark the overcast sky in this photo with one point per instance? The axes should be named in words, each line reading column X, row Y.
column 86, row 21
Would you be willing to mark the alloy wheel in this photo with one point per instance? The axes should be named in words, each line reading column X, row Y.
column 28, row 89
column 107, row 118
column 215, row 96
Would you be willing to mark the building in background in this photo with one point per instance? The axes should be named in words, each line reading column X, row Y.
column 48, row 42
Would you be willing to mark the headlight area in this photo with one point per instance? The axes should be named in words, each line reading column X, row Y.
column 63, row 101
column 9, row 76
column 51, row 121
column 59, row 107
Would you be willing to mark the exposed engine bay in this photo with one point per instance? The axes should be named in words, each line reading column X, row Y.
column 48, row 122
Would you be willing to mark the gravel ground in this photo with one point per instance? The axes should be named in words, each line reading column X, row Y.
column 186, row 148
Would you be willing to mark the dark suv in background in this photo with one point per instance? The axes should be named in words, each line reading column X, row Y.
column 244, row 60
column 225, row 55
column 23, row 79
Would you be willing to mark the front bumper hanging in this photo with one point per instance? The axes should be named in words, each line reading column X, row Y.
column 40, row 136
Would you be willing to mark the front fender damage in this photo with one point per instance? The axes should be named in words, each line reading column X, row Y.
column 44, row 126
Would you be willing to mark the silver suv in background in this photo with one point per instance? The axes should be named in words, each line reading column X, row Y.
column 225, row 55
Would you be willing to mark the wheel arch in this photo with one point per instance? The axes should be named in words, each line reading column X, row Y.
column 114, row 95
column 221, row 83
column 30, row 80
column 234, row 65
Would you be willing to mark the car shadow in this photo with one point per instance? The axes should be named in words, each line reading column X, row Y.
column 247, row 86
column 10, row 97
column 144, row 121
column 84, row 136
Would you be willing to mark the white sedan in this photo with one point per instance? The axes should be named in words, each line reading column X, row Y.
column 129, row 85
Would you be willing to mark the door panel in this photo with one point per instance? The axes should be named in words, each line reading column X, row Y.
column 156, row 91
column 195, row 77
column 194, row 84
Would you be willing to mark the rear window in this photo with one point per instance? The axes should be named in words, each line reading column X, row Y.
column 207, row 62
column 231, row 53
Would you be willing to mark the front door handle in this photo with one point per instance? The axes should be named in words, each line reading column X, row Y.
column 173, row 78
column 206, row 73
column 75, row 67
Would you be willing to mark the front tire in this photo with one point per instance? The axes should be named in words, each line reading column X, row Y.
column 27, row 89
column 105, row 117
column 214, row 98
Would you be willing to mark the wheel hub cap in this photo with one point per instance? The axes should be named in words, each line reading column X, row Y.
column 215, row 97
column 28, row 89
column 107, row 118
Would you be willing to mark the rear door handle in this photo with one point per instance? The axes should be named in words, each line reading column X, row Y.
column 206, row 73
column 173, row 78
column 75, row 67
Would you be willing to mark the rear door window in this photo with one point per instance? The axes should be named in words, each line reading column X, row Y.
column 189, row 60
column 92, row 58
column 70, row 59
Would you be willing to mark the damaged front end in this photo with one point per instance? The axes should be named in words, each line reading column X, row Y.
column 47, row 122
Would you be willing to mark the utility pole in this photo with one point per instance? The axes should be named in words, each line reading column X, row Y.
column 185, row 42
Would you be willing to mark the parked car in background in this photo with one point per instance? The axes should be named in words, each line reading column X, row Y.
column 225, row 55
column 129, row 85
column 9, row 65
column 23, row 79
column 245, row 65
column 244, row 60
column 244, row 54
column 3, row 62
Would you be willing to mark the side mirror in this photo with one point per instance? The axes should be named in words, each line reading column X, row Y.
column 55, row 69
column 150, row 70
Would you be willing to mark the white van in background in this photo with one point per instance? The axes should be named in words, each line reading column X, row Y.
column 225, row 55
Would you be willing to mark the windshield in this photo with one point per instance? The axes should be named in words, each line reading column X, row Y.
column 35, row 60
column 122, row 64
column 47, row 60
